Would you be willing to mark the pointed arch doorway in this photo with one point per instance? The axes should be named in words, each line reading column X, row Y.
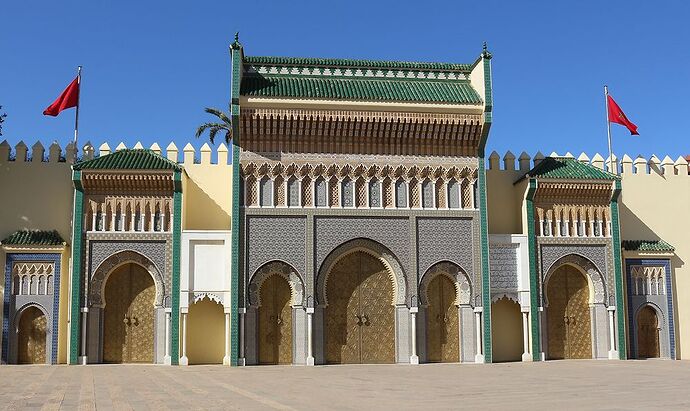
column 33, row 326
column 275, row 321
column 568, row 317
column 442, row 323
column 128, row 325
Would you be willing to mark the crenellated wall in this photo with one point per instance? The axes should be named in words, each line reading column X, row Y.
column 654, row 204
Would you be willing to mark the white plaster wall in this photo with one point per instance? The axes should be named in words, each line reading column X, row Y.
column 205, row 265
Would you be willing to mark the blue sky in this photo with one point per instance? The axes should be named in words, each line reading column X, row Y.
column 150, row 67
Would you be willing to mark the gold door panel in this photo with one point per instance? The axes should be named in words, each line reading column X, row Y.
column 359, row 319
column 647, row 333
column 32, row 337
column 376, row 311
column 342, row 314
column 275, row 322
column 129, row 316
column 579, row 319
column 442, row 321
column 568, row 317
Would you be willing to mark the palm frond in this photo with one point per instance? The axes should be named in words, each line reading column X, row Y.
column 212, row 134
column 202, row 128
column 219, row 114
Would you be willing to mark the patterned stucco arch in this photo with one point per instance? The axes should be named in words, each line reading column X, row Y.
column 114, row 261
column 661, row 318
column 282, row 269
column 597, row 287
column 376, row 250
column 463, row 286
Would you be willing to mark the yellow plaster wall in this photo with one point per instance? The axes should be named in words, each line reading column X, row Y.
column 205, row 333
column 504, row 201
column 655, row 206
column 37, row 196
column 207, row 197
column 506, row 331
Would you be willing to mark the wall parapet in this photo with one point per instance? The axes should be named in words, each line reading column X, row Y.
column 627, row 165
column 20, row 153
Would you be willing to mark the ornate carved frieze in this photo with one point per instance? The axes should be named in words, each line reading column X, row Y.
column 283, row 270
column 463, row 287
column 359, row 132
column 445, row 239
column 503, row 260
column 149, row 182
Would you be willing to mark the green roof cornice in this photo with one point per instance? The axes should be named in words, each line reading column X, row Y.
column 355, row 63
column 34, row 238
column 659, row 246
column 566, row 168
column 129, row 159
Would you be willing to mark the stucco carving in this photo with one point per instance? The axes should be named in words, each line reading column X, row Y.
column 463, row 287
column 445, row 239
column 595, row 277
column 276, row 268
column 97, row 284
column 373, row 248
column 276, row 238
column 504, row 266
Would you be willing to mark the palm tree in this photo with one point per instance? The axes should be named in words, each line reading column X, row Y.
column 225, row 125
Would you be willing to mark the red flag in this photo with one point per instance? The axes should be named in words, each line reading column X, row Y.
column 69, row 98
column 616, row 115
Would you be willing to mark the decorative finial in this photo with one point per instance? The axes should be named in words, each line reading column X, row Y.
column 484, row 48
column 237, row 38
column 236, row 44
column 485, row 51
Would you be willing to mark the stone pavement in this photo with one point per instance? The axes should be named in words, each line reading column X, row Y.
column 652, row 384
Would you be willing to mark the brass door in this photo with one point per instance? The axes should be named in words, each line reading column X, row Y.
column 32, row 337
column 647, row 333
column 359, row 319
column 128, row 316
column 442, row 343
column 275, row 322
column 568, row 318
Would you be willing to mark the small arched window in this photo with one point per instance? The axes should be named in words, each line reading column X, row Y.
column 400, row 193
column 453, row 194
column 321, row 193
column 15, row 285
column 293, row 192
column 49, row 285
column 348, row 193
column 374, row 193
column 427, row 194
column 40, row 287
column 266, row 192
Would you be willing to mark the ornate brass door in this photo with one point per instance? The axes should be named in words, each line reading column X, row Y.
column 568, row 318
column 647, row 333
column 275, row 322
column 32, row 337
column 442, row 343
column 128, row 316
column 359, row 320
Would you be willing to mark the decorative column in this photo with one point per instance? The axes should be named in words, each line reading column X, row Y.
column 526, row 356
column 241, row 360
column 167, row 359
column 152, row 221
column 184, row 360
column 558, row 228
column 541, row 228
column 591, row 228
column 600, row 225
column 613, row 353
column 93, row 221
column 310, row 336
column 226, row 358
column 414, row 359
column 479, row 356
column 566, row 226
column 83, row 359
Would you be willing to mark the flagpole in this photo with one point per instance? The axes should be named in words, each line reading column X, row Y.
column 608, row 128
column 76, row 116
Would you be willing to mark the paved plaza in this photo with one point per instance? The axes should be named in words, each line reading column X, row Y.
column 553, row 385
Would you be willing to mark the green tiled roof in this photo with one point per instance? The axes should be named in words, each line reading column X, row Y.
column 34, row 237
column 128, row 159
column 568, row 169
column 330, row 62
column 647, row 245
column 458, row 92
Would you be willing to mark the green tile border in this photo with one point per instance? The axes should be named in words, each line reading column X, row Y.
column 177, row 237
column 533, row 284
column 236, row 54
column 75, row 316
column 617, row 270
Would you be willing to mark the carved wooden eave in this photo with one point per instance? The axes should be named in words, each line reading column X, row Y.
column 359, row 132
column 34, row 248
column 128, row 181
column 574, row 192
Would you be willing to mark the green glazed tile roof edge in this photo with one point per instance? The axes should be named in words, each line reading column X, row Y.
column 34, row 237
column 647, row 245
column 458, row 92
column 565, row 168
column 129, row 159
column 359, row 63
